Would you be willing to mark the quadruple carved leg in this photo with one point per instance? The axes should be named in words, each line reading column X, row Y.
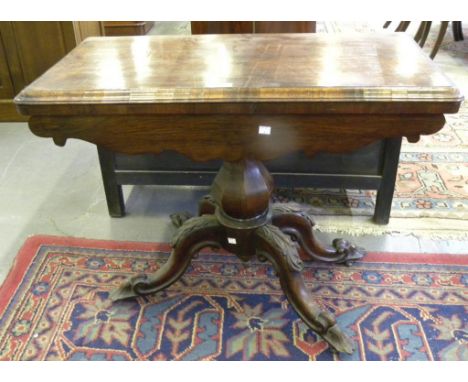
column 270, row 242
column 237, row 217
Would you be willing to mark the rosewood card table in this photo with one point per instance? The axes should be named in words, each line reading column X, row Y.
column 243, row 99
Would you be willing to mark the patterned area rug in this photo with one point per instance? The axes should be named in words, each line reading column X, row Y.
column 431, row 193
column 54, row 306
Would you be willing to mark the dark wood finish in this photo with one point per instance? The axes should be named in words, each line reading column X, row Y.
column 129, row 75
column 127, row 28
column 12, row 57
column 425, row 33
column 457, row 30
column 273, row 108
column 205, row 178
column 362, row 169
column 420, row 31
column 402, row 26
column 221, row 27
column 281, row 251
column 28, row 49
column 234, row 217
column 6, row 84
column 299, row 225
column 240, row 190
column 9, row 113
column 383, row 203
column 233, row 137
column 52, row 39
column 440, row 38
column 207, row 205
column 114, row 194
column 85, row 29
column 324, row 163
column 194, row 235
column 285, row 26
column 280, row 69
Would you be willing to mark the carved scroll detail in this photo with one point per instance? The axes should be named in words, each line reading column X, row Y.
column 191, row 225
column 283, row 244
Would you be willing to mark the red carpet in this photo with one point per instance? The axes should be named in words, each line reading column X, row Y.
column 54, row 306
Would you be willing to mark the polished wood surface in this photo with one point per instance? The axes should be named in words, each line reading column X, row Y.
column 279, row 68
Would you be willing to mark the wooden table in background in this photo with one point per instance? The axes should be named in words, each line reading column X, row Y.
column 243, row 99
column 218, row 27
column 127, row 28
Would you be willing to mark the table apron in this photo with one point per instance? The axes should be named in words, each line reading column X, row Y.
column 234, row 137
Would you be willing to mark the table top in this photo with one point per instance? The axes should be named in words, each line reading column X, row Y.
column 267, row 68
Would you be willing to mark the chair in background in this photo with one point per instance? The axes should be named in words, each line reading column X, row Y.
column 423, row 32
column 457, row 30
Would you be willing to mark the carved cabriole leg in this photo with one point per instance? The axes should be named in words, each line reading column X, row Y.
column 192, row 236
column 276, row 246
column 299, row 226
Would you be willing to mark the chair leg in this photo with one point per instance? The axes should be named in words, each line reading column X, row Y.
column 457, row 30
column 387, row 24
column 403, row 26
column 425, row 33
column 440, row 38
column 419, row 32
